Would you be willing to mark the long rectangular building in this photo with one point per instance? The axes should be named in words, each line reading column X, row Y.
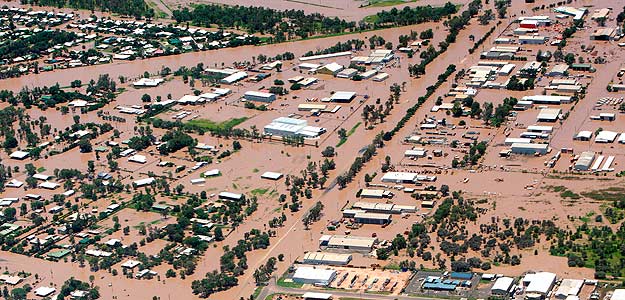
column 348, row 242
column 327, row 258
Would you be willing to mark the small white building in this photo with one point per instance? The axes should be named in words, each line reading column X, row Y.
column 502, row 286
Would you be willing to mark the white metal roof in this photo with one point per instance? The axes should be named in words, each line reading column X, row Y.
column 606, row 136
column 539, row 282
column 503, row 284
column 619, row 294
column 309, row 273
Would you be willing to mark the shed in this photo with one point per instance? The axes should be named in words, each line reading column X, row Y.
column 19, row 155
column 230, row 196
column 271, row 175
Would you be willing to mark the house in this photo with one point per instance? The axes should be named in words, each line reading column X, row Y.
column 137, row 158
column 130, row 264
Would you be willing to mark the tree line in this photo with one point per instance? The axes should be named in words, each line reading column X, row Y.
column 135, row 8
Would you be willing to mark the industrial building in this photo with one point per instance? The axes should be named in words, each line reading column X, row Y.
column 603, row 34
column 548, row 115
column 310, row 275
column 399, row 177
column 370, row 193
column 532, row 39
column 584, row 161
column 235, row 77
column 558, row 70
column 618, row 294
column 545, row 99
column 348, row 242
column 290, row 127
column 606, row 136
column 372, row 218
column 538, row 285
column 330, row 69
column 529, row 149
column 569, row 287
column 502, row 286
column 343, row 97
column 387, row 208
column 327, row 258
column 347, row 73
column 259, row 96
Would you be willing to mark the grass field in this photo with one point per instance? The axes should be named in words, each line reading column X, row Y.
column 382, row 3
column 214, row 126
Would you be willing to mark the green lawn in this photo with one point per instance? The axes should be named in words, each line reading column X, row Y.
column 294, row 285
column 214, row 126
column 350, row 132
column 382, row 3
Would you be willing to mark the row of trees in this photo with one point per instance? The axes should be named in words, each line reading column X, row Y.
column 283, row 25
column 135, row 8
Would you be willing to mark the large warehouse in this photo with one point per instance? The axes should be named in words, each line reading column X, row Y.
column 584, row 161
column 259, row 96
column 289, row 127
column 310, row 275
column 348, row 242
column 569, row 287
column 529, row 149
column 372, row 218
column 327, row 258
column 538, row 284
column 399, row 177
column 548, row 115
